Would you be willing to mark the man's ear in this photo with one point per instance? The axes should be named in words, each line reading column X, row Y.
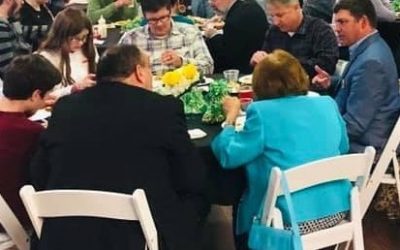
column 364, row 22
column 139, row 73
column 36, row 95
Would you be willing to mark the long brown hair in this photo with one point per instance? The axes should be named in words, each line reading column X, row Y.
column 68, row 23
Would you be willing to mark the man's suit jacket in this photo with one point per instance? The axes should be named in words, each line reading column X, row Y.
column 116, row 137
column 243, row 34
column 368, row 94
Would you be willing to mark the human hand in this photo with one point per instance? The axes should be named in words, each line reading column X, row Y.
column 257, row 57
column 215, row 18
column 209, row 31
column 86, row 82
column 322, row 79
column 170, row 57
column 231, row 106
column 50, row 100
column 121, row 3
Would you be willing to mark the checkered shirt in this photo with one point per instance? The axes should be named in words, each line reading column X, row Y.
column 185, row 39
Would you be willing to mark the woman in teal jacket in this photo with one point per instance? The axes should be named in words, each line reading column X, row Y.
column 284, row 128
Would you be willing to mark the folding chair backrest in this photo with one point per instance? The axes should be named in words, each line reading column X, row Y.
column 387, row 156
column 12, row 226
column 355, row 167
column 66, row 203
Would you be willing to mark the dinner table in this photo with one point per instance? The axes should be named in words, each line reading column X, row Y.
column 224, row 186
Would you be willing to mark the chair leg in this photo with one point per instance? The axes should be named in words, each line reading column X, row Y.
column 358, row 239
column 396, row 170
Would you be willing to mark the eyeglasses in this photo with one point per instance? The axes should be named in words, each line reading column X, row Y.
column 82, row 39
column 161, row 19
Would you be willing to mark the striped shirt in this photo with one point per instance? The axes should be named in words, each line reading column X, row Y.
column 11, row 43
column 7, row 40
column 184, row 39
column 35, row 24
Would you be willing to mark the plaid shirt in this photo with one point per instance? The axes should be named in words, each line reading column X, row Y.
column 314, row 43
column 184, row 39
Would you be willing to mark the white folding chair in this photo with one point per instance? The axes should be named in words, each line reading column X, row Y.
column 65, row 203
column 354, row 167
column 13, row 228
column 379, row 174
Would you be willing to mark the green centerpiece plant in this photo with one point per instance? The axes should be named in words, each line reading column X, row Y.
column 214, row 112
column 208, row 103
column 396, row 5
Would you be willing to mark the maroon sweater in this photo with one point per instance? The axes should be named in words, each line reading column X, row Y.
column 18, row 140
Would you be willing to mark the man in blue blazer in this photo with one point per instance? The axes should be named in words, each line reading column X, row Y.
column 367, row 92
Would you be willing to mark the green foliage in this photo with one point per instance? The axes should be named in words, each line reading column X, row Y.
column 194, row 102
column 396, row 5
column 214, row 113
column 131, row 24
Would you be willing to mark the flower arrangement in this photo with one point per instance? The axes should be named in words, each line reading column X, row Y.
column 176, row 82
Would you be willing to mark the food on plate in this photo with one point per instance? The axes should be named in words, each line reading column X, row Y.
column 129, row 24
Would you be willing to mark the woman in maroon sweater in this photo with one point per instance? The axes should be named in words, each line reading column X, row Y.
column 26, row 83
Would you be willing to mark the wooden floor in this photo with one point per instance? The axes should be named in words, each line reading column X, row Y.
column 379, row 232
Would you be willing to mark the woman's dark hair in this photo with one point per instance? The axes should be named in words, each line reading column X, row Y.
column 27, row 73
column 358, row 8
column 118, row 61
column 67, row 24
column 279, row 74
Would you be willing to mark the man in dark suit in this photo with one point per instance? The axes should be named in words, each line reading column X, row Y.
column 243, row 34
column 119, row 136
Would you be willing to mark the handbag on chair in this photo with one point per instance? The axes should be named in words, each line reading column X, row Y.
column 263, row 237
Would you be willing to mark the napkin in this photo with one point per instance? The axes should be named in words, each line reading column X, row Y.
column 196, row 133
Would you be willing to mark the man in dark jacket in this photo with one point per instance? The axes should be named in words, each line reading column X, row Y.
column 119, row 136
column 242, row 35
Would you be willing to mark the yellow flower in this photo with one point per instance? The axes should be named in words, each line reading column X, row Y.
column 171, row 78
column 189, row 71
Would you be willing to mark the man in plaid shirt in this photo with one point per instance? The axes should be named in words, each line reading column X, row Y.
column 169, row 44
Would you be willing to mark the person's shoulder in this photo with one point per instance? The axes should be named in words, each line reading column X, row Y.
column 186, row 28
column 318, row 24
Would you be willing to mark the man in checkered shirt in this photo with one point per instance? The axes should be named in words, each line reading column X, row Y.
column 169, row 44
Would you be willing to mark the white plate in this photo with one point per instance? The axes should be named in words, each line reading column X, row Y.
column 247, row 79
column 196, row 133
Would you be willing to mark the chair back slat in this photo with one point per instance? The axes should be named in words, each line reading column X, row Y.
column 351, row 167
column 63, row 203
column 91, row 203
column 12, row 226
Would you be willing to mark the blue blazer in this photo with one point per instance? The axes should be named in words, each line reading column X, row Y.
column 368, row 94
column 286, row 132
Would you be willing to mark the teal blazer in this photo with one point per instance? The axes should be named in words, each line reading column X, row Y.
column 286, row 132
